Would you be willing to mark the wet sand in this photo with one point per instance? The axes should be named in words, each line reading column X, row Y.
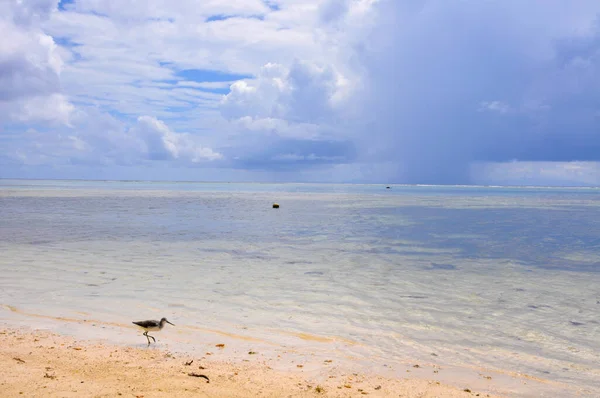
column 39, row 363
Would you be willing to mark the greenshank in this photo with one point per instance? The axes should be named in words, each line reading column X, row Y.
column 152, row 325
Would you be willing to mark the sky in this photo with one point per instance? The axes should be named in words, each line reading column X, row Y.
column 497, row 92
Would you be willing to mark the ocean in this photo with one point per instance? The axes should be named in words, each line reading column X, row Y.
column 505, row 279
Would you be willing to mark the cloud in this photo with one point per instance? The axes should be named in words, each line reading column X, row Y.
column 96, row 138
column 419, row 91
column 538, row 173
column 421, row 79
column 164, row 10
column 276, row 154
column 495, row 106
column 285, row 118
column 54, row 108
column 430, row 67
column 305, row 92
column 28, row 13
column 30, row 66
column 163, row 144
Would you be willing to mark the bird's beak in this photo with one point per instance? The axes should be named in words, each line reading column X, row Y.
column 169, row 322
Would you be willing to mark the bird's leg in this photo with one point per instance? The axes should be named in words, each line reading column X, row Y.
column 146, row 334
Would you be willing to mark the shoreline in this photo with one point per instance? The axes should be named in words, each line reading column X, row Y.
column 270, row 369
column 265, row 371
column 43, row 363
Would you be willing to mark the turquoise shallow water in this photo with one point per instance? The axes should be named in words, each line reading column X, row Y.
column 499, row 278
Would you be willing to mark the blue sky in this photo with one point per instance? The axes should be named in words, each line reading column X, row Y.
column 413, row 91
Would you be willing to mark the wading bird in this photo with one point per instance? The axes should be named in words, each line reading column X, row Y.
column 152, row 325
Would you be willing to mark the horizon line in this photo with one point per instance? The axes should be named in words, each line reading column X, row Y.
column 305, row 182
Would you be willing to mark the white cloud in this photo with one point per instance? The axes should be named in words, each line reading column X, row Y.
column 163, row 9
column 96, row 138
column 163, row 144
column 27, row 12
column 495, row 106
column 28, row 63
column 303, row 93
column 292, row 157
column 30, row 66
column 126, row 58
column 43, row 108
column 279, row 127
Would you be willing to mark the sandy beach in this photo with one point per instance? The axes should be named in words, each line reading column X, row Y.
column 40, row 363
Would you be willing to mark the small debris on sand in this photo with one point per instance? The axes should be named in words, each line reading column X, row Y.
column 199, row 375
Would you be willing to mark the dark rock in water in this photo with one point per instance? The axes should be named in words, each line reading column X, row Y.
column 275, row 206
column 313, row 273
column 574, row 323
column 387, row 187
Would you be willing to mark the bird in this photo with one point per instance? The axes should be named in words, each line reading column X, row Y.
column 152, row 325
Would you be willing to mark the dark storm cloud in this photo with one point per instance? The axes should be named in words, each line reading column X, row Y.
column 450, row 83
